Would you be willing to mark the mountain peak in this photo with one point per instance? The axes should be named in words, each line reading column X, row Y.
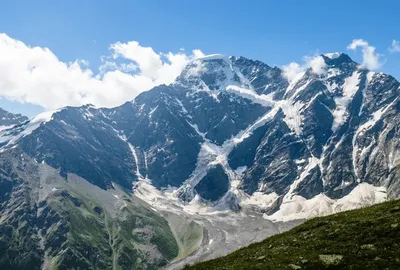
column 217, row 71
column 336, row 58
column 333, row 55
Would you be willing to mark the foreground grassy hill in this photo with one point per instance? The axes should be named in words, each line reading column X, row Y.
column 367, row 238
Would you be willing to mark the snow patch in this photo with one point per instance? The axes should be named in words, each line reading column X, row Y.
column 333, row 55
column 376, row 116
column 11, row 136
column 259, row 199
column 312, row 162
column 293, row 117
column 168, row 199
column 135, row 157
column 300, row 208
column 264, row 100
column 183, row 109
column 212, row 57
column 196, row 128
column 152, row 111
column 5, row 127
column 350, row 87
column 240, row 170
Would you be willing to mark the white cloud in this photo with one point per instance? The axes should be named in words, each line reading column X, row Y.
column 198, row 68
column 35, row 75
column 317, row 64
column 371, row 59
column 395, row 47
column 294, row 70
column 198, row 54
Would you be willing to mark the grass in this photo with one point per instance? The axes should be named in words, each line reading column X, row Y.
column 99, row 241
column 367, row 238
column 188, row 234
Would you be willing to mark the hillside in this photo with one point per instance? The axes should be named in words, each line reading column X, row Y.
column 367, row 238
column 47, row 222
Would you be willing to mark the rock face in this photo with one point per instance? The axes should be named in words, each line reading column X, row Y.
column 8, row 119
column 231, row 129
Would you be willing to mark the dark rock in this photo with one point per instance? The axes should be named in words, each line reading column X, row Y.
column 214, row 185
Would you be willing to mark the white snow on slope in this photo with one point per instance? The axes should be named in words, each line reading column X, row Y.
column 135, row 157
column 333, row 55
column 168, row 199
column 264, row 100
column 350, row 87
column 293, row 117
column 212, row 57
column 362, row 195
column 376, row 116
column 11, row 136
column 133, row 152
column 291, row 109
column 5, row 127
column 259, row 199
column 300, row 208
column 293, row 80
column 312, row 163
column 370, row 76
column 196, row 128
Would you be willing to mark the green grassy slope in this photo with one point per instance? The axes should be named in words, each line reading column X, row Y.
column 137, row 238
column 49, row 222
column 71, row 231
column 188, row 234
column 367, row 238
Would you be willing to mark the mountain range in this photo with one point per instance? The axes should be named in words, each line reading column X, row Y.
column 136, row 185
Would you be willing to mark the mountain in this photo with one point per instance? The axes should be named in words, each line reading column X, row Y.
column 8, row 119
column 357, row 239
column 49, row 223
column 232, row 141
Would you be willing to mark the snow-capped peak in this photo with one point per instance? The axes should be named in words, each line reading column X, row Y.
column 333, row 55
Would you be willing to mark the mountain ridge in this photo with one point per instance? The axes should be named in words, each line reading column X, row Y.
column 239, row 77
column 8, row 119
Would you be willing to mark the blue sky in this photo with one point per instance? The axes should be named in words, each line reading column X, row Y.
column 276, row 32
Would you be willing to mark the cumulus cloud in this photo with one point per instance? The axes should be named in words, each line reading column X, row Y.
column 371, row 59
column 317, row 64
column 35, row 74
column 395, row 47
column 294, row 70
